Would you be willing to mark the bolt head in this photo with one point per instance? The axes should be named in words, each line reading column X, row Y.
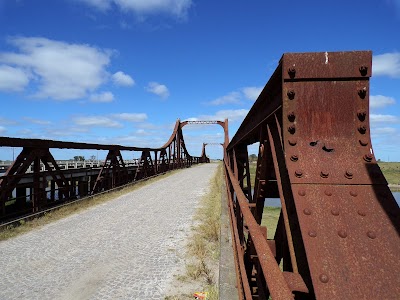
column 324, row 174
column 323, row 278
column 363, row 70
column 312, row 233
column 292, row 129
column 361, row 115
column 348, row 174
column 362, row 129
column 291, row 94
column 291, row 116
column 368, row 157
column 302, row 192
column 362, row 92
column 298, row 173
column 335, row 211
column 292, row 72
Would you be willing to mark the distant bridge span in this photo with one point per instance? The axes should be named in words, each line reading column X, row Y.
column 35, row 181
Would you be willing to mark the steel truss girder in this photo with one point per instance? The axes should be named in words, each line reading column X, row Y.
column 339, row 221
column 173, row 154
column 33, row 156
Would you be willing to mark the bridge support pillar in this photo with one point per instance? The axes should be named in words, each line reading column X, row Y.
column 83, row 184
column 20, row 194
column 53, row 191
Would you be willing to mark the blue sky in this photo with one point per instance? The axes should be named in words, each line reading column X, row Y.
column 123, row 71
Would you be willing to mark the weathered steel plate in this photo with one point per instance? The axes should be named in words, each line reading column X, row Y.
column 350, row 233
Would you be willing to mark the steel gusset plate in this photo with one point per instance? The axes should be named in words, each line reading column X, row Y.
column 348, row 217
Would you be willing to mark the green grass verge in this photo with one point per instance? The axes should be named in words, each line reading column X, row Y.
column 65, row 211
column 270, row 219
column 391, row 170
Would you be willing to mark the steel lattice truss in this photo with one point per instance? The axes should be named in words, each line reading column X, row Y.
column 338, row 231
column 35, row 181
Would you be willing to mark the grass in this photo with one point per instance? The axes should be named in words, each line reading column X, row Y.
column 391, row 170
column 65, row 211
column 204, row 244
column 270, row 219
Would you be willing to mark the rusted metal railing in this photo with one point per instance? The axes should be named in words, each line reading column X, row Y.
column 35, row 181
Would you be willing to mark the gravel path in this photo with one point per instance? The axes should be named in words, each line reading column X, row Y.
column 126, row 248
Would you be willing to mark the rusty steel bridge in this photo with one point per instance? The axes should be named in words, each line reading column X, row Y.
column 338, row 231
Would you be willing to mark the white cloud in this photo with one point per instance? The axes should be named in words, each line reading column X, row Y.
column 96, row 121
column 384, row 118
column 386, row 64
column 232, row 98
column 122, row 79
column 252, row 92
column 158, row 89
column 232, row 114
column 63, row 71
column 12, row 79
column 2, row 130
column 37, row 121
column 177, row 8
column 131, row 117
column 379, row 101
column 379, row 131
column 5, row 121
column 102, row 5
column 102, row 97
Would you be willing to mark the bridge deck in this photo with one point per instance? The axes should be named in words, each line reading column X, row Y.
column 126, row 248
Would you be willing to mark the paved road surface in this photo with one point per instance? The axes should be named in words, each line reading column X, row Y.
column 123, row 249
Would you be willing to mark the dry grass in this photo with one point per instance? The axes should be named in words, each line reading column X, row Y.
column 202, row 251
column 67, row 210
column 270, row 220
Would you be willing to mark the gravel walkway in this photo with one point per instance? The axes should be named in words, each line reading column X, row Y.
column 126, row 248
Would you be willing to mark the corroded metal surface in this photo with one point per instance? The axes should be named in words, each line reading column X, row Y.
column 338, row 232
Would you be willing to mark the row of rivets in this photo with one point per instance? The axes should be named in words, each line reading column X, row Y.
column 362, row 115
column 327, row 193
column 342, row 233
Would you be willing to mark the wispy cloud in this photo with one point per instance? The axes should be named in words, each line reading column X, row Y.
column 96, row 121
column 231, row 98
column 387, row 64
column 5, row 121
column 2, row 130
column 377, row 118
column 158, row 89
column 233, row 115
column 252, row 92
column 63, row 71
column 122, row 79
column 176, row 8
column 379, row 101
column 37, row 121
column 131, row 117
column 379, row 131
column 236, row 97
column 102, row 97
